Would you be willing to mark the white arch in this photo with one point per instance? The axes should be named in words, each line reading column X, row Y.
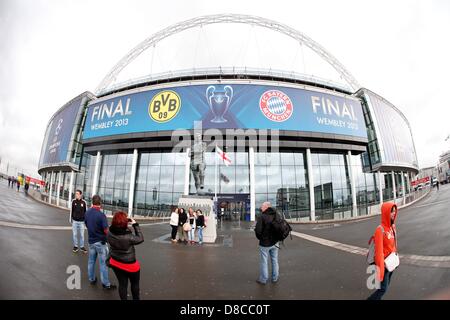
column 227, row 18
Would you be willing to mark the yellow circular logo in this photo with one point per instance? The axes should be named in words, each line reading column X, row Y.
column 164, row 106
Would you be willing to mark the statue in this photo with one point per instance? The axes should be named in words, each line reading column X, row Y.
column 198, row 163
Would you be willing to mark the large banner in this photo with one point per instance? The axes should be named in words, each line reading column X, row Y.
column 394, row 133
column 239, row 106
column 56, row 143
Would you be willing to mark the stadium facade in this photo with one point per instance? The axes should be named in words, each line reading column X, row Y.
column 315, row 150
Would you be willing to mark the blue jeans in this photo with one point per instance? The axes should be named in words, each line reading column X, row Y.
column 78, row 226
column 200, row 235
column 264, row 253
column 100, row 250
column 379, row 293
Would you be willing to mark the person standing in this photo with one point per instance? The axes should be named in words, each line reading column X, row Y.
column 385, row 244
column 200, row 223
column 26, row 187
column 123, row 254
column 267, row 244
column 76, row 218
column 174, row 223
column 18, row 184
column 182, row 237
column 9, row 181
column 97, row 226
column 191, row 233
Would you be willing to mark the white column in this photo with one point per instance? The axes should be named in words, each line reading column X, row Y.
column 187, row 171
column 312, row 202
column 394, row 189
column 403, row 188
column 352, row 183
column 72, row 176
column 51, row 187
column 380, row 187
column 132, row 183
column 96, row 173
column 58, row 190
column 251, row 162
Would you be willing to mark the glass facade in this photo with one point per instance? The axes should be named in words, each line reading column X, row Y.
column 281, row 178
column 159, row 182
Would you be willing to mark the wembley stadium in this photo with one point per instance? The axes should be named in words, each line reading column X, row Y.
column 316, row 148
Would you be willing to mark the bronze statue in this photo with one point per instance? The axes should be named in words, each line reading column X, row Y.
column 198, row 163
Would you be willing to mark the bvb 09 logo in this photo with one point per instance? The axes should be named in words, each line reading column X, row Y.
column 164, row 106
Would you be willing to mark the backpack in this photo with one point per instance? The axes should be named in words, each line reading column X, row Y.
column 371, row 253
column 281, row 228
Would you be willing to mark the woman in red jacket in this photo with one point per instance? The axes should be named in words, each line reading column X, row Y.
column 385, row 244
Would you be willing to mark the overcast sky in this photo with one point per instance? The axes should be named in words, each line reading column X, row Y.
column 50, row 51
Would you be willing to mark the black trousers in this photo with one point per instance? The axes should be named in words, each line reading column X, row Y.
column 174, row 232
column 122, row 278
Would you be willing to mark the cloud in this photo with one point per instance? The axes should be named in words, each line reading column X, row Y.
column 53, row 50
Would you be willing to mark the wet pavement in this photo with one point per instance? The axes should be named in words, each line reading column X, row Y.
column 33, row 263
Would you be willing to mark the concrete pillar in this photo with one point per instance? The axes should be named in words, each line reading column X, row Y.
column 58, row 190
column 251, row 161
column 132, row 183
column 352, row 183
column 96, row 173
column 50, row 191
column 187, row 171
column 380, row 187
column 394, row 189
column 72, row 176
column 312, row 203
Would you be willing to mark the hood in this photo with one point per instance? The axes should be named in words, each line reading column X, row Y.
column 386, row 214
column 118, row 231
column 270, row 211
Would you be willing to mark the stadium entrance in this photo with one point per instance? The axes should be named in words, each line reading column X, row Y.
column 234, row 207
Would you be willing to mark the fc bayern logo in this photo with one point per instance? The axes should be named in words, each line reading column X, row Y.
column 276, row 105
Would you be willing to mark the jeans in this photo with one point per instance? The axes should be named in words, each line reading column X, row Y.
column 264, row 253
column 174, row 232
column 100, row 250
column 78, row 225
column 200, row 235
column 191, row 234
column 122, row 278
column 379, row 293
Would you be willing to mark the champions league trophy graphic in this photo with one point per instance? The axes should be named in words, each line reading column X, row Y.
column 198, row 162
column 219, row 101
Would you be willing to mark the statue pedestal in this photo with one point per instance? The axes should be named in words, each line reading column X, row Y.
column 206, row 204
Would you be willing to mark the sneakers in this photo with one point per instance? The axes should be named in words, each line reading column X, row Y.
column 93, row 282
column 83, row 249
column 110, row 287
column 260, row 282
column 75, row 249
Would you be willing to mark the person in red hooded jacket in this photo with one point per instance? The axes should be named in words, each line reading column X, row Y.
column 385, row 243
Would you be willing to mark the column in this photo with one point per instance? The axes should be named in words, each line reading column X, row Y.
column 72, row 176
column 408, row 182
column 352, row 183
column 380, row 187
column 251, row 161
column 393, row 185
column 187, row 171
column 403, row 188
column 312, row 203
column 96, row 173
column 58, row 190
column 50, row 189
column 132, row 183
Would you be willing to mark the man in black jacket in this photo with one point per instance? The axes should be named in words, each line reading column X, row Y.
column 77, row 215
column 267, row 244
